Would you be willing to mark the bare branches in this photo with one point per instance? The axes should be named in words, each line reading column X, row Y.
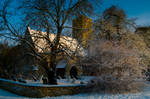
column 114, row 23
column 117, row 68
column 47, row 16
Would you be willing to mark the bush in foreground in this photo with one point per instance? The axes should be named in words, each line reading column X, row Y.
column 117, row 68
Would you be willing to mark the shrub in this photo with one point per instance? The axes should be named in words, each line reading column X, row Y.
column 134, row 41
column 10, row 56
column 117, row 68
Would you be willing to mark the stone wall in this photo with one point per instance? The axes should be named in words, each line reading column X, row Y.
column 39, row 91
column 82, row 30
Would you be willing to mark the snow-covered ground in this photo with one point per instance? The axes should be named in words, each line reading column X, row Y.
column 60, row 82
column 143, row 95
column 7, row 95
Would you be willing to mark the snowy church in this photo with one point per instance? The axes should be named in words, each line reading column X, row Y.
column 37, row 40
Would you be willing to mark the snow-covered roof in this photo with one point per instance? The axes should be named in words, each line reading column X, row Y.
column 42, row 45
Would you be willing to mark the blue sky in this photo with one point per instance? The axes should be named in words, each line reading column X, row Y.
column 139, row 9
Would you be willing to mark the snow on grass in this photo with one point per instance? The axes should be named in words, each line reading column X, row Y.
column 143, row 95
column 81, row 79
column 7, row 95
column 98, row 96
column 61, row 83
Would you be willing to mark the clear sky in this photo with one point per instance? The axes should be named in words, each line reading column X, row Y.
column 139, row 9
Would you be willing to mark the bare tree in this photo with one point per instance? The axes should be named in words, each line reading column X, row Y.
column 114, row 23
column 117, row 68
column 49, row 16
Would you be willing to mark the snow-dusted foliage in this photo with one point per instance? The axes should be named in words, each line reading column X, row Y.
column 118, row 68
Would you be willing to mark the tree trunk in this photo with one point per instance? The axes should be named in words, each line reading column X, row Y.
column 52, row 68
column 52, row 77
column 52, row 64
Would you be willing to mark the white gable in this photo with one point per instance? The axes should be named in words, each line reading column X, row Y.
column 69, row 44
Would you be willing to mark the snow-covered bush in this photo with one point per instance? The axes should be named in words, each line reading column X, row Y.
column 117, row 68
column 134, row 41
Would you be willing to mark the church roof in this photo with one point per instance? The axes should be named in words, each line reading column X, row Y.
column 69, row 44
